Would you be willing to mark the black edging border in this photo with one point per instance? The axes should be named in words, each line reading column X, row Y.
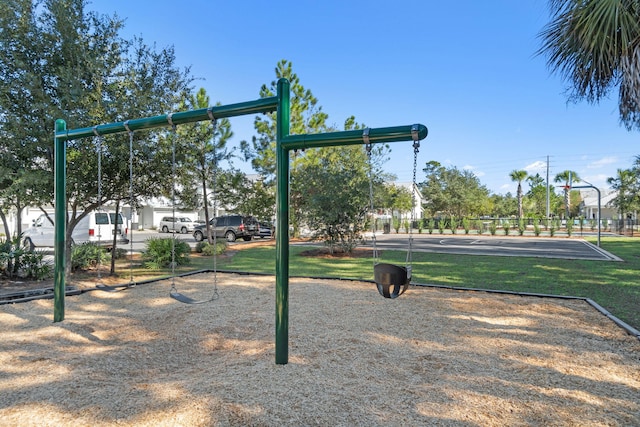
column 48, row 293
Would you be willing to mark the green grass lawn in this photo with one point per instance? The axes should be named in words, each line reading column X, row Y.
column 613, row 285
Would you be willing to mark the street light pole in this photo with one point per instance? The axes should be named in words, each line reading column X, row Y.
column 599, row 198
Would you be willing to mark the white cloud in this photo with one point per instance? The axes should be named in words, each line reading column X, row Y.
column 536, row 166
column 473, row 169
column 602, row 162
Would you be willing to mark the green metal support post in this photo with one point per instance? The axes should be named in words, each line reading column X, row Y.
column 60, row 218
column 282, row 225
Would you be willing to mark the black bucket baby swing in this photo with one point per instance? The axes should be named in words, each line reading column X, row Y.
column 392, row 280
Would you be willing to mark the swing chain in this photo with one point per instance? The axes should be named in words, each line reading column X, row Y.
column 99, row 142
column 368, row 147
column 214, row 124
column 174, row 135
column 416, row 148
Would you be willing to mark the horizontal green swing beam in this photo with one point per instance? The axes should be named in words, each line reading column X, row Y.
column 352, row 137
column 262, row 105
column 62, row 135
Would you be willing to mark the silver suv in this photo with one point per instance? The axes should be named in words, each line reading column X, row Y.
column 231, row 227
column 176, row 224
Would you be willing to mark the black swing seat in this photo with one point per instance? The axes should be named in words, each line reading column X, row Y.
column 391, row 280
column 185, row 299
column 116, row 288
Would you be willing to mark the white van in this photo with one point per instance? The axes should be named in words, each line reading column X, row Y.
column 98, row 227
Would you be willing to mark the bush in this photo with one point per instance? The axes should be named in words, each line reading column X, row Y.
column 206, row 249
column 569, row 227
column 493, row 227
column 506, row 226
column 453, row 225
column 35, row 267
column 466, row 225
column 431, row 224
column 396, row 224
column 87, row 255
column 536, row 227
column 17, row 261
column 157, row 254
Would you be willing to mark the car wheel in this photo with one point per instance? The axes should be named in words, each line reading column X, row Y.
column 230, row 236
column 246, row 238
column 165, row 229
column 198, row 236
column 184, row 230
column 29, row 244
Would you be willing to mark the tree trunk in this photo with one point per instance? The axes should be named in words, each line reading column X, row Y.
column 206, row 210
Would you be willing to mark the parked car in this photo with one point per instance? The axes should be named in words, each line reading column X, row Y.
column 172, row 224
column 231, row 227
column 266, row 229
column 97, row 227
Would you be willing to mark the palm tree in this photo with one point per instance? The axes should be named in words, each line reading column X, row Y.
column 519, row 176
column 595, row 44
column 567, row 177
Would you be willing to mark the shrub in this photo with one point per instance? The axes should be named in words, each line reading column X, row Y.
column 441, row 223
column 207, row 249
column 466, row 224
column 506, row 226
column 431, row 225
column 536, row 228
column 453, row 225
column 35, row 267
column 11, row 251
column 521, row 226
column 396, row 225
column 157, row 254
column 87, row 255
column 493, row 227
column 569, row 227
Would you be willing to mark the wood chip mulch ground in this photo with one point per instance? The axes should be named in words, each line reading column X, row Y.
column 431, row 357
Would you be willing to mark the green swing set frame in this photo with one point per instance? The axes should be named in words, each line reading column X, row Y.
column 284, row 143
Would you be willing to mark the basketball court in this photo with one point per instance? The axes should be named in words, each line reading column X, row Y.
column 542, row 247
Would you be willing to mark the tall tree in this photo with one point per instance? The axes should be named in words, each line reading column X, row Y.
column 623, row 183
column 201, row 150
column 519, row 176
column 306, row 116
column 595, row 44
column 453, row 192
column 567, row 177
column 70, row 63
column 337, row 217
column 536, row 197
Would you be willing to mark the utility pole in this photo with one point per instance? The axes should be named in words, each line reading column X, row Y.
column 548, row 195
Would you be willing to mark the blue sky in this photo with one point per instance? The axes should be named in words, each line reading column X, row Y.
column 465, row 69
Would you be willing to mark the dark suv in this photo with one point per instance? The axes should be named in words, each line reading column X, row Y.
column 231, row 227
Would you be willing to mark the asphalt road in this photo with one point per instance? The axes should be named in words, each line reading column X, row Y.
column 497, row 246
